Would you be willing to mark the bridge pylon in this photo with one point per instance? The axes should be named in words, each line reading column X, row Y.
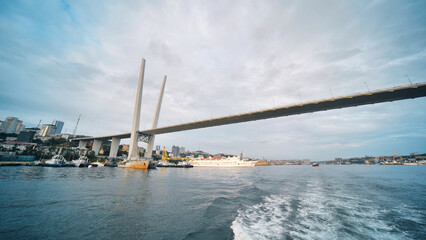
column 133, row 148
column 150, row 144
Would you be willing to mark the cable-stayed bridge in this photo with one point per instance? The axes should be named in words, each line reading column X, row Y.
column 371, row 97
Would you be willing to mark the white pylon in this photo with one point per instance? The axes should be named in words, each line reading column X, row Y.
column 133, row 148
column 150, row 145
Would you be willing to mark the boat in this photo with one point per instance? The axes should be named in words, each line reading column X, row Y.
column 233, row 161
column 411, row 163
column 152, row 164
column 111, row 163
column 315, row 165
column 182, row 164
column 82, row 161
column 136, row 164
column 56, row 161
column 98, row 164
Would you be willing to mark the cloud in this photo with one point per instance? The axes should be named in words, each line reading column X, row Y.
column 221, row 57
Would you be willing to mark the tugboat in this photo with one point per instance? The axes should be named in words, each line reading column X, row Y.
column 315, row 165
column 56, row 161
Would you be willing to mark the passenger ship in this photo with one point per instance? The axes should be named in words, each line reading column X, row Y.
column 233, row 161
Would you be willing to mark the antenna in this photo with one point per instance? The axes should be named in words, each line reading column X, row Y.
column 75, row 129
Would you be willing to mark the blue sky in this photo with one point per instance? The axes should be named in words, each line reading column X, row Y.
column 62, row 58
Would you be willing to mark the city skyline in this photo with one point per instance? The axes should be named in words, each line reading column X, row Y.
column 224, row 61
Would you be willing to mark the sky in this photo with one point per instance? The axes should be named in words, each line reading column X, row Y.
column 59, row 59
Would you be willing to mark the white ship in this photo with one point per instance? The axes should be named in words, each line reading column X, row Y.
column 233, row 161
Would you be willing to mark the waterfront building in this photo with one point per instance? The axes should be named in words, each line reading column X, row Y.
column 59, row 125
column 47, row 130
column 11, row 125
column 175, row 151
column 27, row 134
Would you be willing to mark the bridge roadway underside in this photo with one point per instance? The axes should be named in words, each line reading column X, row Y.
column 388, row 95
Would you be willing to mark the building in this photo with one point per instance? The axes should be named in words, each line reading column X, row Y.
column 182, row 150
column 47, row 130
column 175, row 151
column 158, row 148
column 27, row 134
column 338, row 161
column 59, row 125
column 11, row 125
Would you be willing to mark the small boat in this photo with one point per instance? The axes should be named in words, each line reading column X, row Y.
column 56, row 161
column 82, row 161
column 315, row 165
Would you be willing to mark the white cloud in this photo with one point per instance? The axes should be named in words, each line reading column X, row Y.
column 227, row 57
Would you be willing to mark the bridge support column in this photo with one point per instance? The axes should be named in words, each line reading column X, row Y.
column 115, row 143
column 96, row 146
column 150, row 145
column 133, row 148
column 82, row 144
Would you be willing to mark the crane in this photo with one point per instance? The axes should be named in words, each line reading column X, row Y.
column 164, row 157
column 75, row 129
column 402, row 160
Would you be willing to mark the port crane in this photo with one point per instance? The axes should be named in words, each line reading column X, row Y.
column 402, row 160
column 165, row 157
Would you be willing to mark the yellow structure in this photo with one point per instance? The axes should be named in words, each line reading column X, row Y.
column 165, row 157
column 399, row 156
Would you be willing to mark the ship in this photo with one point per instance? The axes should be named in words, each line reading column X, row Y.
column 233, row 161
column 82, row 162
column 315, row 165
column 139, row 164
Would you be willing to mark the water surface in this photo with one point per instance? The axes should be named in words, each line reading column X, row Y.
column 283, row 202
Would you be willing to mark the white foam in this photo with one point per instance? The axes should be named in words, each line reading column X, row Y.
column 319, row 214
column 261, row 221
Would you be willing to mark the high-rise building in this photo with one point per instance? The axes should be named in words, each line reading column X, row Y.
column 47, row 130
column 158, row 148
column 175, row 151
column 27, row 134
column 181, row 150
column 11, row 125
column 59, row 125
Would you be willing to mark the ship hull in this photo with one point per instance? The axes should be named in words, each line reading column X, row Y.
column 136, row 164
column 223, row 164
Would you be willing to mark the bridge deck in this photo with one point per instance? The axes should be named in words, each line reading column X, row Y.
column 379, row 96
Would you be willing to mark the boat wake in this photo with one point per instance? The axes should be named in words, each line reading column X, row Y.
column 318, row 213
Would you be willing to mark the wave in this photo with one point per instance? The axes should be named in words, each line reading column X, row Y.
column 320, row 212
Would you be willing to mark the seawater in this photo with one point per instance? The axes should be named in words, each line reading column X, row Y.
column 282, row 202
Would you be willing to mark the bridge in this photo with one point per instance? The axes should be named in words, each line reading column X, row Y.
column 371, row 97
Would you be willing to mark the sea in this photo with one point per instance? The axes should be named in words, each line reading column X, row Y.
column 273, row 202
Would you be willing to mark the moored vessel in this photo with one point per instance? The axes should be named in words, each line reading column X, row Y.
column 56, row 161
column 233, row 161
column 82, row 161
column 136, row 164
